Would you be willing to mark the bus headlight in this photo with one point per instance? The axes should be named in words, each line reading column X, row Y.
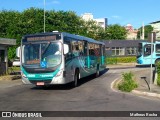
column 59, row 73
column 23, row 75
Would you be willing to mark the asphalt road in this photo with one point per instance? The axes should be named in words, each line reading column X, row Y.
column 92, row 94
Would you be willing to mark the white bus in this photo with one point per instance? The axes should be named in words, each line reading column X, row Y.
column 59, row 58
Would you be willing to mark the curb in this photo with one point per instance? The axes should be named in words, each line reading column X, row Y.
column 156, row 95
column 10, row 77
column 114, row 85
column 137, row 92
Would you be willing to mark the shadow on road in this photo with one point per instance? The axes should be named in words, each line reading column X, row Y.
column 144, row 66
column 91, row 77
column 69, row 86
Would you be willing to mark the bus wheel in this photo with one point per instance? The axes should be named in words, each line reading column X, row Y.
column 157, row 61
column 97, row 73
column 76, row 78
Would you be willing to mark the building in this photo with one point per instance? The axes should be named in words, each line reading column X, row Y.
column 100, row 21
column 4, row 44
column 132, row 33
column 122, row 47
column 156, row 28
column 87, row 16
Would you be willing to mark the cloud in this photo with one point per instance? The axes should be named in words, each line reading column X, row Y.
column 55, row 2
column 49, row 3
column 116, row 17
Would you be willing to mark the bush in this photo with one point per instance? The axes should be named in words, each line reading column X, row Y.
column 115, row 60
column 158, row 73
column 111, row 60
column 126, row 59
column 127, row 84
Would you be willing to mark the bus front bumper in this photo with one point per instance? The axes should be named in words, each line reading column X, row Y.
column 55, row 80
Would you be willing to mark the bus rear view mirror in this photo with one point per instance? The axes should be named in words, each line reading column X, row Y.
column 66, row 48
column 18, row 52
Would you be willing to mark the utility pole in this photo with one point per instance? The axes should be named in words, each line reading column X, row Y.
column 44, row 16
column 143, row 31
column 151, row 77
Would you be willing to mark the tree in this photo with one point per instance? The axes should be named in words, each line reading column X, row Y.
column 115, row 32
column 147, row 29
column 92, row 30
column 15, row 24
column 9, row 28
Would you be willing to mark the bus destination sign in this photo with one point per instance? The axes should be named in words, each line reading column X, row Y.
column 41, row 38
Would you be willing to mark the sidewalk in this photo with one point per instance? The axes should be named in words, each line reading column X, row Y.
column 143, row 88
column 8, row 81
column 121, row 65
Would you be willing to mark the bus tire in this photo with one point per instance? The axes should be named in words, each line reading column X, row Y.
column 157, row 61
column 97, row 71
column 76, row 78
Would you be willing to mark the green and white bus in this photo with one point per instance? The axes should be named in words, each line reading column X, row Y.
column 59, row 58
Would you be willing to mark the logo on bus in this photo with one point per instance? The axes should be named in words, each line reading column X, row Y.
column 43, row 64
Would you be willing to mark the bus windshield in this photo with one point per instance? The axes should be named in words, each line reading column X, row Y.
column 41, row 55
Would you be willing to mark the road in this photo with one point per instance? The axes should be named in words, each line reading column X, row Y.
column 92, row 94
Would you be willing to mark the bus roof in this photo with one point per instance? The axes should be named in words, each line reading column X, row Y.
column 150, row 42
column 82, row 38
column 68, row 35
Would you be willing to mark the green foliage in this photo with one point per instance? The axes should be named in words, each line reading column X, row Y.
column 147, row 29
column 92, row 30
column 158, row 73
column 126, row 59
column 12, row 53
column 127, row 84
column 115, row 32
column 115, row 60
column 14, row 25
column 111, row 60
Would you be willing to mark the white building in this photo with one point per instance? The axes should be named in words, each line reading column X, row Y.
column 87, row 16
column 156, row 28
column 100, row 21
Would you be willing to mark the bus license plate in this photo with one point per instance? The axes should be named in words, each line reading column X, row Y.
column 40, row 83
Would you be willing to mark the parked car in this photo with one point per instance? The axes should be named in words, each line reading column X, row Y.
column 16, row 62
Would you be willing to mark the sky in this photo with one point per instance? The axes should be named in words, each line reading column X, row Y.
column 121, row 12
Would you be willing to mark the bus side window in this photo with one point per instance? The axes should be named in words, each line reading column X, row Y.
column 147, row 49
column 85, row 48
column 104, row 50
column 81, row 48
column 92, row 54
column 91, row 49
column 75, row 48
column 68, row 56
column 158, row 48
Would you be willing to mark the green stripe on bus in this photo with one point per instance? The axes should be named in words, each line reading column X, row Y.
column 88, row 62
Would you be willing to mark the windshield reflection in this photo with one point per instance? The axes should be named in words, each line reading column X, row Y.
column 41, row 55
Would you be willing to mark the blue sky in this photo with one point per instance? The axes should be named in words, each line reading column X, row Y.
column 117, row 11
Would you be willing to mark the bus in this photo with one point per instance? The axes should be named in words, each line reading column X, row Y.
column 144, row 53
column 59, row 58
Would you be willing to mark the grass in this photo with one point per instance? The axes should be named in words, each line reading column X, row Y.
column 127, row 84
